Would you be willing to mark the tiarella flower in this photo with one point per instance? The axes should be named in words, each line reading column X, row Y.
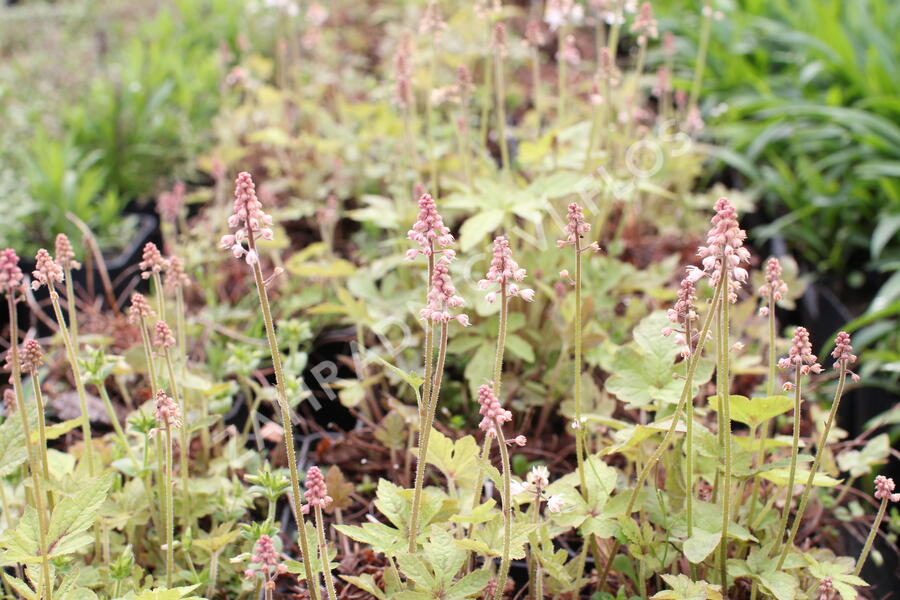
column 519, row 440
column 316, row 491
column 65, row 255
column 153, row 262
column 520, row 487
column 139, row 309
column 502, row 271
column 175, row 277
column 428, row 230
column 663, row 82
column 556, row 503
column 826, row 588
column 774, row 289
column 669, row 44
column 167, row 412
column 499, row 41
column 9, row 401
column 11, row 277
column 644, row 25
column 884, row 489
column 432, row 23
column 843, row 354
column 264, row 552
column 684, row 313
column 724, row 249
column 534, row 34
column 442, row 296
column 569, row 51
column 539, row 476
column 575, row 227
column 47, row 271
column 32, row 356
column 162, row 335
column 559, row 13
column 800, row 354
column 403, row 71
column 492, row 413
column 170, row 203
column 247, row 218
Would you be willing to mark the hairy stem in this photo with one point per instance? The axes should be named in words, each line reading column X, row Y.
column 693, row 361
column 795, row 450
column 424, row 435
column 503, row 573
column 170, row 510
column 286, row 424
column 871, row 538
column 323, row 554
column 79, row 383
column 723, row 380
column 43, row 522
column 798, row 516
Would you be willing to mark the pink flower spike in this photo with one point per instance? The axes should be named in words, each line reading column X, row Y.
column 493, row 414
column 153, row 262
column 65, row 255
column 800, row 354
column 502, row 271
column 724, row 250
column 316, row 492
column 47, row 271
column 247, row 218
column 442, row 295
column 11, row 276
column 429, row 229
column 774, row 288
column 576, row 226
column 167, row 411
column 884, row 489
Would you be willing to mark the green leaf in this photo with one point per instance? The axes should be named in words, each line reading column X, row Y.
column 699, row 546
column 379, row 536
column 476, row 228
column 366, row 583
column 781, row 585
column 519, row 347
column 414, row 568
column 75, row 514
column 758, row 410
column 446, row 559
column 12, row 446
column 781, row 476
column 860, row 462
column 456, row 460
column 471, row 584
column 644, row 371
column 683, row 588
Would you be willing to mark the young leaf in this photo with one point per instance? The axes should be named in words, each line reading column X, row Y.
column 366, row 583
column 75, row 514
column 699, row 546
column 683, row 588
column 470, row 585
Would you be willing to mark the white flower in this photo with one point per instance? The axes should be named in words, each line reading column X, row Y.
column 556, row 503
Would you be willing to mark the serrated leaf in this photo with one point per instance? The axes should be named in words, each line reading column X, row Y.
column 860, row 462
column 455, row 459
column 76, row 513
column 699, row 546
column 471, row 584
column 379, row 536
column 683, row 588
column 781, row 585
column 414, row 568
column 476, row 228
column 756, row 411
column 445, row 558
column 781, row 476
column 366, row 583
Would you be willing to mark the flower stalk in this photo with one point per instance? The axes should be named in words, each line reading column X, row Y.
column 48, row 273
column 252, row 223
column 843, row 359
column 884, row 491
